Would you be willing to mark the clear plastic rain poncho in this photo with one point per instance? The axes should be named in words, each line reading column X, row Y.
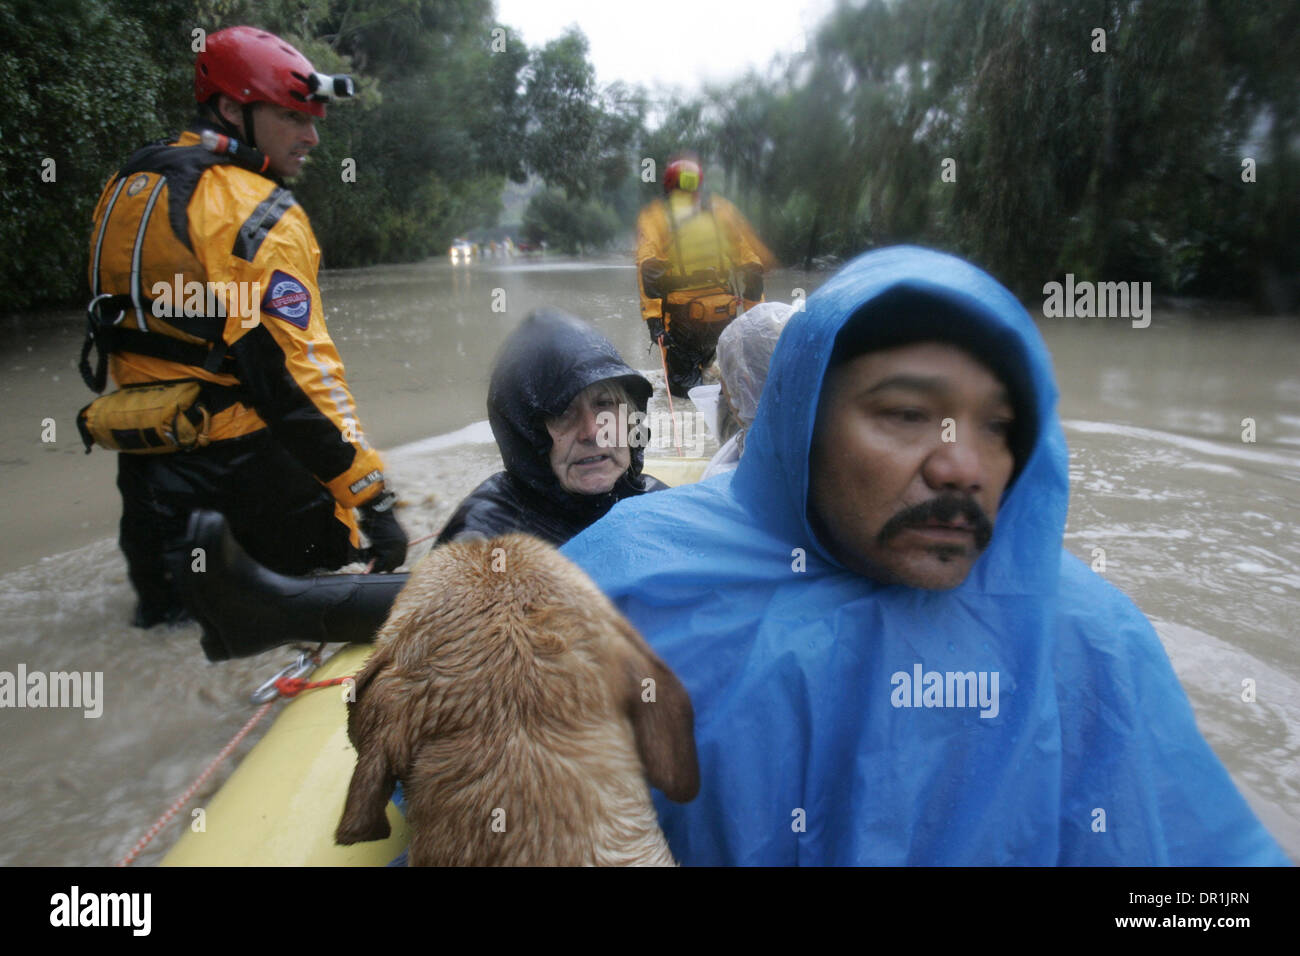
column 744, row 353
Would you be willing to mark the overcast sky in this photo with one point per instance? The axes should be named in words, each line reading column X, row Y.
column 679, row 43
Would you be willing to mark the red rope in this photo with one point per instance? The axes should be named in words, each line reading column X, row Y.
column 293, row 686
column 185, row 797
column 288, row 687
column 663, row 357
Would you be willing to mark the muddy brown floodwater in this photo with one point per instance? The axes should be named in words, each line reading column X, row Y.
column 1197, row 526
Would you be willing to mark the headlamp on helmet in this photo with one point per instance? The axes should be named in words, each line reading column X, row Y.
column 252, row 66
column 322, row 87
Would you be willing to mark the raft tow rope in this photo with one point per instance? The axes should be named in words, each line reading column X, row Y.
column 663, row 357
column 293, row 686
column 184, row 798
column 287, row 675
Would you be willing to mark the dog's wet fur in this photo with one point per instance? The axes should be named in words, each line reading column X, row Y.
column 522, row 713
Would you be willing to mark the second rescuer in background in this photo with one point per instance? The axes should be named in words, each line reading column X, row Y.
column 698, row 262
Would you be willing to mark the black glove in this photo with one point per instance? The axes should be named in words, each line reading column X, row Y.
column 657, row 332
column 387, row 539
column 753, row 283
column 653, row 274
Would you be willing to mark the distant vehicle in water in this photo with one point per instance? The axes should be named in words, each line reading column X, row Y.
column 461, row 251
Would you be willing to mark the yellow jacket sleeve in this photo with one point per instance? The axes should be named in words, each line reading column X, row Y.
column 286, row 360
column 746, row 249
column 652, row 241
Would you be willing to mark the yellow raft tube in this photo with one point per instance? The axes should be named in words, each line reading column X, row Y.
column 281, row 805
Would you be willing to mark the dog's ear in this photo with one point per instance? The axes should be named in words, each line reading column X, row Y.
column 364, row 812
column 360, row 717
column 662, row 718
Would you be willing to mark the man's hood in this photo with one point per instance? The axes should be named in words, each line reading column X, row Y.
column 546, row 361
column 774, row 471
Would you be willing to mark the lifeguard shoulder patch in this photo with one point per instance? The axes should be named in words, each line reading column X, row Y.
column 288, row 299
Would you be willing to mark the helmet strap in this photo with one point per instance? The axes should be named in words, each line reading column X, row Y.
column 209, row 115
column 248, row 125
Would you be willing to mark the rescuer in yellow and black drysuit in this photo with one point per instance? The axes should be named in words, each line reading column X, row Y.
column 698, row 266
column 281, row 451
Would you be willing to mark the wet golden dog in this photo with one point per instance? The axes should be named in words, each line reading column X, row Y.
column 522, row 713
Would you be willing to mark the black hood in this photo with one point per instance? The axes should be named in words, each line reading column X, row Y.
column 544, row 363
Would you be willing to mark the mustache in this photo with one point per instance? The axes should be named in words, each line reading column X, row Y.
column 943, row 508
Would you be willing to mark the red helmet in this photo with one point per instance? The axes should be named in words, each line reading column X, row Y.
column 683, row 174
column 250, row 66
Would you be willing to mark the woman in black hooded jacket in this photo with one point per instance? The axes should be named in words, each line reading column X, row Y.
column 543, row 383
column 545, row 365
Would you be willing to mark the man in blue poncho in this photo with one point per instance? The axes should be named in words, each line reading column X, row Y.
column 891, row 657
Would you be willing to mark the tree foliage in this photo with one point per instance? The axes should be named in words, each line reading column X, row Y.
column 438, row 127
column 1125, row 164
column 996, row 128
column 65, row 109
column 570, row 225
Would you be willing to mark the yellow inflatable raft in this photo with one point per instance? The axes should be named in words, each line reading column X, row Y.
column 282, row 804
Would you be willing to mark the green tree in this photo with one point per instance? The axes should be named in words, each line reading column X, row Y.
column 571, row 225
column 563, row 117
column 438, row 126
column 1061, row 155
column 65, row 110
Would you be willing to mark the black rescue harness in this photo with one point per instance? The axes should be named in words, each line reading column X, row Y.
column 106, row 333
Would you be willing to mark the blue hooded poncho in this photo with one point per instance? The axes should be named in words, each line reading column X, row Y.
column 813, row 751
